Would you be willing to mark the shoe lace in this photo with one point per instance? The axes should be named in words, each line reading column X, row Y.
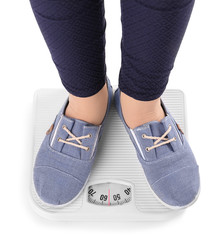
column 74, row 138
column 158, row 139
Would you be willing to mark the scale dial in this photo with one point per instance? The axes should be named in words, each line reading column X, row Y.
column 109, row 194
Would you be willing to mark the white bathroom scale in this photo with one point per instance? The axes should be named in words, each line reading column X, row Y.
column 117, row 189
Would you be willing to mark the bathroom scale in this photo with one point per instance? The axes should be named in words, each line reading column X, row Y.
column 117, row 189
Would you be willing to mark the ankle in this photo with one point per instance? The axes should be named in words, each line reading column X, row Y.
column 90, row 109
column 138, row 112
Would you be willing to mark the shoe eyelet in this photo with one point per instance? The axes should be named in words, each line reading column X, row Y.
column 88, row 149
column 143, row 135
column 90, row 135
column 64, row 126
column 59, row 139
column 174, row 138
column 147, row 149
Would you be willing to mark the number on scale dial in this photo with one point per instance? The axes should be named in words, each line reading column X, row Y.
column 109, row 194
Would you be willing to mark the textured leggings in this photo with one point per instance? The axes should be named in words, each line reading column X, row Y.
column 152, row 31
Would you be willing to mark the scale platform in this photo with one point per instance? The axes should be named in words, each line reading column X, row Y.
column 117, row 189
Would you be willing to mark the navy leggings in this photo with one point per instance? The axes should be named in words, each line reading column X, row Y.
column 152, row 31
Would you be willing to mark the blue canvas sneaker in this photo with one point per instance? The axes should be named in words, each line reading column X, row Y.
column 167, row 160
column 65, row 158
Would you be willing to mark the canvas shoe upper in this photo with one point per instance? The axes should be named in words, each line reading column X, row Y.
column 66, row 156
column 167, row 159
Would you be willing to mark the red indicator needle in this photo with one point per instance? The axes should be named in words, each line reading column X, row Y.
column 108, row 196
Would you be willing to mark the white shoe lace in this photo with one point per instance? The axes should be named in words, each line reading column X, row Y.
column 158, row 139
column 74, row 138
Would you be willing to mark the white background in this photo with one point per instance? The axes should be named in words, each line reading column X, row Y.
column 26, row 65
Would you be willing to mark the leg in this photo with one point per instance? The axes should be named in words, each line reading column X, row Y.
column 74, row 33
column 152, row 34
